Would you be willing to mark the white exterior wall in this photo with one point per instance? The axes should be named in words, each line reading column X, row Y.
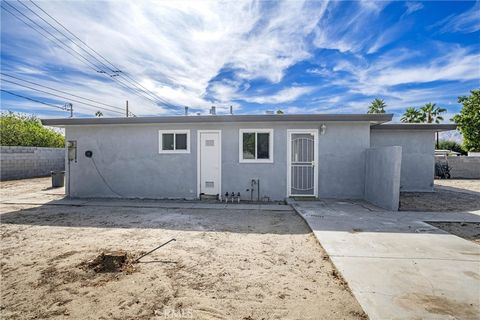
column 127, row 157
column 418, row 156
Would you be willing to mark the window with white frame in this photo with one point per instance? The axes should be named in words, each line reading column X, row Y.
column 256, row 145
column 174, row 141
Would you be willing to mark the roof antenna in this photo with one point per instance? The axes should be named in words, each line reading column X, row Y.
column 213, row 111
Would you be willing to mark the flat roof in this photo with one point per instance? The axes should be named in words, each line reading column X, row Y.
column 416, row 126
column 372, row 118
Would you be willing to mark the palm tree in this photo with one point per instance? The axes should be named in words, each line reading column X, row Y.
column 98, row 114
column 412, row 115
column 431, row 113
column 377, row 106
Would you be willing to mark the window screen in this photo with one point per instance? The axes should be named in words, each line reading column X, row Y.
column 263, row 145
column 174, row 141
column 249, row 145
column 167, row 141
column 256, row 145
column 180, row 141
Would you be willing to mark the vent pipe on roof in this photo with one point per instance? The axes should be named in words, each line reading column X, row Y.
column 186, row 111
column 213, row 111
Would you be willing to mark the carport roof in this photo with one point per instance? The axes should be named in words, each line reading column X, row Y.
column 416, row 126
column 372, row 118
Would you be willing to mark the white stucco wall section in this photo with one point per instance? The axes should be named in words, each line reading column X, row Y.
column 341, row 160
column 418, row 148
column 382, row 176
column 127, row 157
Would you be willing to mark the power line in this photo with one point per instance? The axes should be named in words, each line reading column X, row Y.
column 94, row 68
column 63, row 34
column 115, row 69
column 31, row 99
column 59, row 96
column 46, row 87
column 146, row 94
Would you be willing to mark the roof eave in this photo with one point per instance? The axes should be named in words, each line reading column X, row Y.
column 372, row 118
column 437, row 127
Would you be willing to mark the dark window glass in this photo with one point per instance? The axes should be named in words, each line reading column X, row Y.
column 181, row 141
column 248, row 145
column 167, row 141
column 263, row 145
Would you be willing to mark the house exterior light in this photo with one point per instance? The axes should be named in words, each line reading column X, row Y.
column 323, row 128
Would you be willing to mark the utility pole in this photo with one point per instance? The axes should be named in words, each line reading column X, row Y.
column 69, row 107
column 127, row 109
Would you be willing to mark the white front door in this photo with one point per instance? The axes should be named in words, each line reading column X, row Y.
column 209, row 161
column 302, row 175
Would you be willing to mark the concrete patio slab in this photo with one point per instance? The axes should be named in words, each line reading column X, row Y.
column 397, row 265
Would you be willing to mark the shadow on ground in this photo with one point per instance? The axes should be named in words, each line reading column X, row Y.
column 186, row 219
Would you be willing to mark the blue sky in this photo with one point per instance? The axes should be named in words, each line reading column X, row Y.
column 300, row 57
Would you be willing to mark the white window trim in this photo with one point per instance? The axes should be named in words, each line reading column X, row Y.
column 240, row 146
column 160, row 141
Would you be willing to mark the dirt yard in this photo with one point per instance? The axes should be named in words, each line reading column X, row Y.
column 449, row 195
column 224, row 264
column 467, row 230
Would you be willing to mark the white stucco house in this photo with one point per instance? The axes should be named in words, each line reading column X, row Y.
column 345, row 156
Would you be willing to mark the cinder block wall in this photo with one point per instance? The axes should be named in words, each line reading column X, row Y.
column 29, row 162
column 464, row 167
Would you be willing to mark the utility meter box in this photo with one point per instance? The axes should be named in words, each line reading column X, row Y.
column 72, row 150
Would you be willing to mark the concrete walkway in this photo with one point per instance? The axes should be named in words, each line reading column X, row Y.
column 398, row 266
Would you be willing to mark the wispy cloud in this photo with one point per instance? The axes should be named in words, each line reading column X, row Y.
column 282, row 96
column 307, row 56
column 413, row 7
column 466, row 22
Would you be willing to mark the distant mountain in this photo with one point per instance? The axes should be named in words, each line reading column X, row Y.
column 453, row 135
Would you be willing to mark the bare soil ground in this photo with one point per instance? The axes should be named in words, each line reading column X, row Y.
column 225, row 264
column 449, row 195
column 467, row 230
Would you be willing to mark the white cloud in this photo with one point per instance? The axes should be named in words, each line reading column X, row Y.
column 176, row 48
column 459, row 66
column 413, row 7
column 343, row 28
column 282, row 96
column 466, row 22
column 389, row 35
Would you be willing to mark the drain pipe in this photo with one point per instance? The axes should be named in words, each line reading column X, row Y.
column 258, row 189
column 253, row 182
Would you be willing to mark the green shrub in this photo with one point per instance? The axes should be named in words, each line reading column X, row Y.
column 23, row 130
column 451, row 145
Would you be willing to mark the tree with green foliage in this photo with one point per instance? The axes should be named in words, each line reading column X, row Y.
column 412, row 115
column 99, row 114
column 468, row 120
column 23, row 130
column 431, row 113
column 377, row 106
column 451, row 145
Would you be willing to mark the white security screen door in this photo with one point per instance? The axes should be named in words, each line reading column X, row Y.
column 302, row 153
column 209, row 162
